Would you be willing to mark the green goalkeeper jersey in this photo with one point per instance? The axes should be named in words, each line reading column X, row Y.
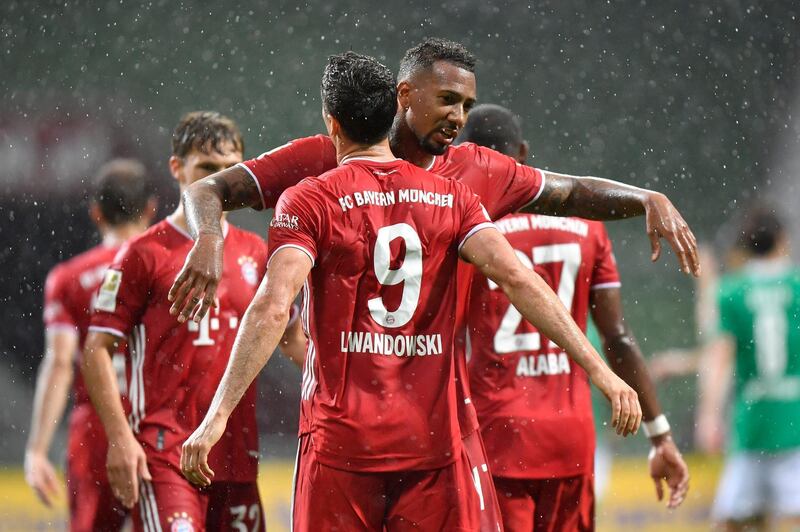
column 760, row 308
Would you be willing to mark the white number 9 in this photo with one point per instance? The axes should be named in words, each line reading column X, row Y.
column 410, row 273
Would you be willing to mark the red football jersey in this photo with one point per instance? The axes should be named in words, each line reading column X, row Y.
column 68, row 295
column 176, row 367
column 503, row 185
column 378, row 391
column 533, row 402
column 68, row 299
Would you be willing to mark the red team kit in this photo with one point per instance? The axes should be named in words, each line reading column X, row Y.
column 70, row 288
column 175, row 369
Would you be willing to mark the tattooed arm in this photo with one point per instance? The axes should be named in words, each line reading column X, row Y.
column 603, row 199
column 203, row 202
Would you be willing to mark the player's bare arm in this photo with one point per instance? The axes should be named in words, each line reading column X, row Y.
column 494, row 257
column 716, row 371
column 53, row 385
column 625, row 358
column 602, row 199
column 126, row 462
column 204, row 203
column 294, row 343
column 261, row 329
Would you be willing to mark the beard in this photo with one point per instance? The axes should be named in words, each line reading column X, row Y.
column 431, row 146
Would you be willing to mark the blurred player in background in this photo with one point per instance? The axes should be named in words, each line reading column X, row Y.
column 758, row 347
column 436, row 89
column 534, row 405
column 175, row 367
column 380, row 444
column 121, row 207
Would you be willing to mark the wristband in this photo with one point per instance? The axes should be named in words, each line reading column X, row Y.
column 658, row 426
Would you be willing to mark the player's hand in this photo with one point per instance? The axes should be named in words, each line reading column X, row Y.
column 126, row 465
column 192, row 293
column 41, row 476
column 194, row 455
column 666, row 464
column 626, row 412
column 664, row 221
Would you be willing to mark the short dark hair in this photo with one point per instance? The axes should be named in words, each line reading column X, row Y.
column 205, row 131
column 361, row 94
column 761, row 230
column 432, row 49
column 122, row 190
column 495, row 127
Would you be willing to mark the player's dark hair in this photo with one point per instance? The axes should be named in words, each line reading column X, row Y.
column 205, row 131
column 761, row 231
column 495, row 127
column 432, row 49
column 121, row 191
column 361, row 94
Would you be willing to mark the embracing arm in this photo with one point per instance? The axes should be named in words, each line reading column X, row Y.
column 203, row 203
column 603, row 199
column 625, row 358
column 53, row 384
column 716, row 371
column 261, row 329
column 494, row 258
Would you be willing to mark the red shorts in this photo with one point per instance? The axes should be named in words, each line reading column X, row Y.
column 484, row 494
column 234, row 506
column 170, row 505
column 92, row 505
column 547, row 505
column 330, row 499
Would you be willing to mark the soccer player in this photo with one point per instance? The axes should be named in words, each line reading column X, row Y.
column 534, row 406
column 375, row 244
column 121, row 207
column 436, row 89
column 175, row 367
column 758, row 346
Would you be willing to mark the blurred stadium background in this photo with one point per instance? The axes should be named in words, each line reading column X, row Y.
column 697, row 99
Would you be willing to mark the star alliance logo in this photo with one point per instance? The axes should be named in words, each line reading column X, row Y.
column 284, row 221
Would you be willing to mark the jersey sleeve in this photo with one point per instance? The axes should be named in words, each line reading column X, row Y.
column 511, row 185
column 287, row 165
column 474, row 216
column 122, row 297
column 296, row 222
column 58, row 313
column 604, row 272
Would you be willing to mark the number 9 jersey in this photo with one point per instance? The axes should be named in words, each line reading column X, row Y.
column 378, row 392
column 533, row 403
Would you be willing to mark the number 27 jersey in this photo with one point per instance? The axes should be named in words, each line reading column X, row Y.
column 378, row 390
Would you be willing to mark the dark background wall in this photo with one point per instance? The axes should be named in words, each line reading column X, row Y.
column 696, row 99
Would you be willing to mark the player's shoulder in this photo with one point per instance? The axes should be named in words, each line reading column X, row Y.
column 314, row 142
column 74, row 266
column 151, row 242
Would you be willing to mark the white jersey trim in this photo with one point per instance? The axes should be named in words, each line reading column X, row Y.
column 601, row 286
column 541, row 188
column 296, row 246
column 187, row 235
column 136, row 348
column 479, row 227
column 369, row 159
column 250, row 172
column 109, row 330
column 61, row 327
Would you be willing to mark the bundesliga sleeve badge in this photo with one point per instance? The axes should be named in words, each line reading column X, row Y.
column 107, row 296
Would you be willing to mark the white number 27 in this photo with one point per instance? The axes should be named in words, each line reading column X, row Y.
column 506, row 339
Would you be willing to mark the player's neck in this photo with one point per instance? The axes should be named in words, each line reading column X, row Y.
column 379, row 152
column 116, row 236
column 178, row 217
column 406, row 145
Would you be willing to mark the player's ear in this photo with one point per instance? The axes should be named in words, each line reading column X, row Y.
column 523, row 152
column 175, row 166
column 96, row 214
column 150, row 210
column 404, row 95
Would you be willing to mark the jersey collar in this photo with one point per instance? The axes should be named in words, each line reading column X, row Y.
column 187, row 235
